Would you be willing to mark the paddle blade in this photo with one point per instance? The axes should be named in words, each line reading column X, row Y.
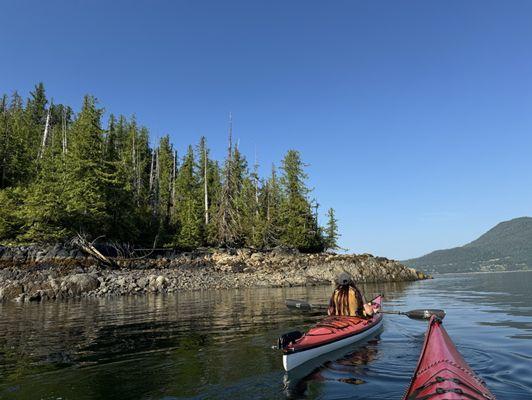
column 425, row 314
column 298, row 304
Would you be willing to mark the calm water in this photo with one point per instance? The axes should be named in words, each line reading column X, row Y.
column 218, row 345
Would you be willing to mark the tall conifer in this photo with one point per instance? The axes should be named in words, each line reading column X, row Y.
column 85, row 197
column 331, row 231
column 189, row 205
column 299, row 226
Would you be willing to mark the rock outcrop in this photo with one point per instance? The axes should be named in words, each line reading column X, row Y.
column 33, row 274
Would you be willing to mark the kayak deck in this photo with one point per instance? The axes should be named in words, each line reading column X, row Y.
column 442, row 372
column 331, row 333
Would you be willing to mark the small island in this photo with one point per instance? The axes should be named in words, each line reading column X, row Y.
column 89, row 210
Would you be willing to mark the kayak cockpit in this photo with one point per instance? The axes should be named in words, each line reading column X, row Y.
column 332, row 333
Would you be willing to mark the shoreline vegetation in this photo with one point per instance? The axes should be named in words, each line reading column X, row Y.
column 69, row 175
column 64, row 173
column 37, row 273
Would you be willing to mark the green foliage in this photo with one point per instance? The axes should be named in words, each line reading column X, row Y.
column 63, row 173
column 163, row 186
column 85, row 174
column 300, row 227
column 331, row 231
column 120, row 209
column 44, row 207
column 228, row 229
column 188, row 205
column 271, row 198
column 36, row 108
column 18, row 151
column 11, row 223
column 214, row 187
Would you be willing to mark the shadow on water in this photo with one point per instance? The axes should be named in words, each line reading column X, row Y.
column 214, row 345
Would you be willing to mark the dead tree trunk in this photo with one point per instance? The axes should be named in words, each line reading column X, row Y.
column 64, row 130
column 45, row 133
column 205, row 188
column 151, row 169
column 6, row 141
column 174, row 166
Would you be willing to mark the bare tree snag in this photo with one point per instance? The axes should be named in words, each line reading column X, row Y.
column 45, row 133
column 205, row 189
column 87, row 247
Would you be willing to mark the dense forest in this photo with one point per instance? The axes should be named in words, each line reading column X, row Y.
column 63, row 173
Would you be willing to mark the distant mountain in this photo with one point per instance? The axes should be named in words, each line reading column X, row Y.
column 506, row 247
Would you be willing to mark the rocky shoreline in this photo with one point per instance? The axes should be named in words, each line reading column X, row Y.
column 35, row 273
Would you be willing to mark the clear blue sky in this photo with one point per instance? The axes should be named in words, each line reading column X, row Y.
column 415, row 117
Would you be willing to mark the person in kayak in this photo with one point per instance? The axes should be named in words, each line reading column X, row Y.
column 347, row 299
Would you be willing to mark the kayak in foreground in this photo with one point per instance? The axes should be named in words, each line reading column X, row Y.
column 442, row 373
column 331, row 333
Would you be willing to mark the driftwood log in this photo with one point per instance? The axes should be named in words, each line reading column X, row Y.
column 81, row 242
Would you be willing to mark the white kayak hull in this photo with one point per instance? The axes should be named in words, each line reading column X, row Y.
column 293, row 360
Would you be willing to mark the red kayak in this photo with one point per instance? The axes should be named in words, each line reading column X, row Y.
column 329, row 334
column 442, row 373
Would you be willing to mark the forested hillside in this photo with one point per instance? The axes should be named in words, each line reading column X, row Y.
column 63, row 173
column 507, row 246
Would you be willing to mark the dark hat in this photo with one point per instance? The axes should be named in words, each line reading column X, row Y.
column 344, row 279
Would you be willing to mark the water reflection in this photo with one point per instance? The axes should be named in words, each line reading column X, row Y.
column 218, row 344
column 342, row 365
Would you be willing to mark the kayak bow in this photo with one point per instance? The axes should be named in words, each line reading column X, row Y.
column 331, row 333
column 442, row 372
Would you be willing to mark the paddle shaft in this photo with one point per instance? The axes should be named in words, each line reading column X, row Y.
column 413, row 314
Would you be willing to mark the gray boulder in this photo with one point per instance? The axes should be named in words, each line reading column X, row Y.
column 75, row 285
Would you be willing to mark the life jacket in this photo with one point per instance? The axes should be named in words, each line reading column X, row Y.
column 346, row 300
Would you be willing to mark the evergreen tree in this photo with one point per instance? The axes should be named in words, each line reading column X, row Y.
column 252, row 210
column 122, row 141
column 189, row 205
column 36, row 108
column 61, row 174
column 11, row 223
column 33, row 128
column 272, row 199
column 163, row 183
column 16, row 157
column 228, row 221
column 135, row 155
column 132, row 146
column 214, row 182
column 45, row 198
column 119, row 200
column 243, row 195
column 85, row 197
column 299, row 225
column 111, row 139
column 248, row 210
column 44, row 207
column 331, row 231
